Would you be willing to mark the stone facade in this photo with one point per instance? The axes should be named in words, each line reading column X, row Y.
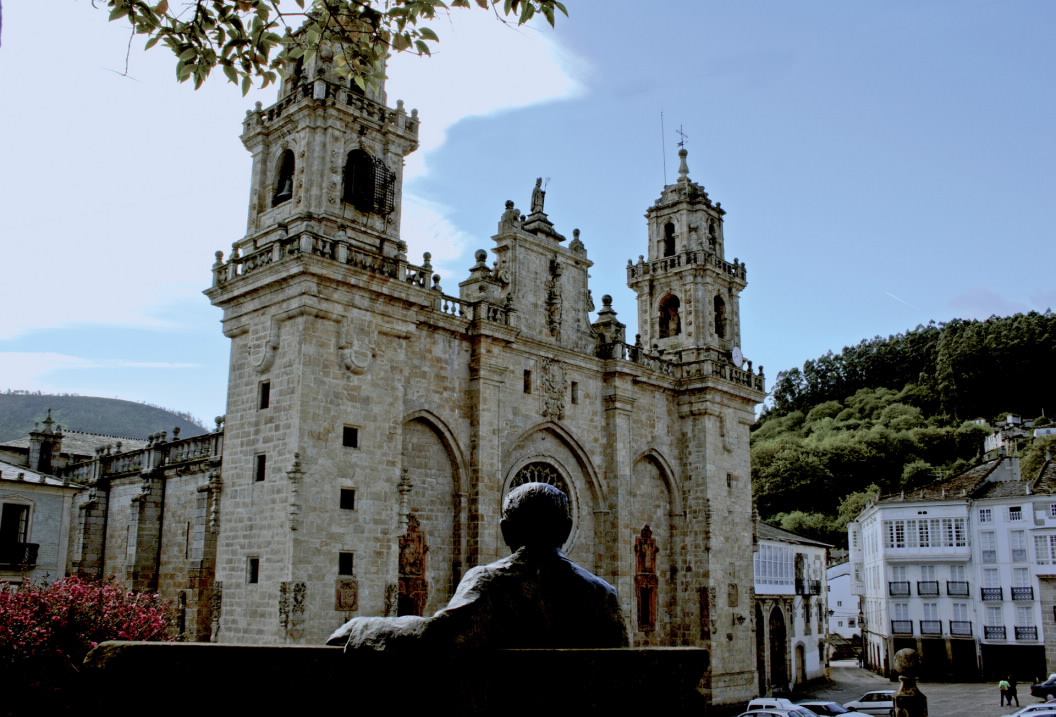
column 376, row 421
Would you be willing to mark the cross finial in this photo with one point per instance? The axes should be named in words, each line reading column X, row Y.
column 682, row 137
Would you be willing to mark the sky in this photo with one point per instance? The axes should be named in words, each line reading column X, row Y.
column 883, row 165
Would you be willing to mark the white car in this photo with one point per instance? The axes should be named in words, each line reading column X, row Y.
column 878, row 702
column 828, row 709
column 780, row 704
column 1035, row 710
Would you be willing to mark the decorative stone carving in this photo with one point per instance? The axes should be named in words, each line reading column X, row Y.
column 291, row 606
column 216, row 601
column 554, row 388
column 295, row 475
column 645, row 579
column 553, row 298
column 356, row 349
column 347, row 595
column 414, row 588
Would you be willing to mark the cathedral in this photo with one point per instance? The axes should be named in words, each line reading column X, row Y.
column 376, row 419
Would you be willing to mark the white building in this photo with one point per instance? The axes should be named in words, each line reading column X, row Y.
column 35, row 514
column 790, row 611
column 843, row 603
column 962, row 571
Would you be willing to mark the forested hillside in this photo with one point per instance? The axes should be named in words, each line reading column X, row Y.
column 893, row 414
column 89, row 414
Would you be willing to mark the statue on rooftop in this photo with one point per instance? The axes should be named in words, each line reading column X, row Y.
column 538, row 196
column 534, row 598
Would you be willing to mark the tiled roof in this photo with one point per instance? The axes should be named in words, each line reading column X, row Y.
column 85, row 444
column 976, row 483
column 10, row 473
column 770, row 532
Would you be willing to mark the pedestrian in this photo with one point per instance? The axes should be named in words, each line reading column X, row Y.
column 1011, row 693
column 1003, row 687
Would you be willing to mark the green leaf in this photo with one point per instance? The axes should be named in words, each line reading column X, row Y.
column 152, row 42
column 428, row 34
column 231, row 73
column 246, row 84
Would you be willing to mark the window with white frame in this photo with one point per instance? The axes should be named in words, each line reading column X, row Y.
column 988, row 546
column 1024, row 616
column 927, row 572
column 900, row 611
column 985, row 516
column 931, row 611
column 773, row 565
column 991, row 578
column 1052, row 510
column 994, row 618
column 1017, row 543
column 1021, row 577
column 899, row 573
column 960, row 611
column 958, row 573
column 925, row 533
column 1015, row 513
column 1045, row 549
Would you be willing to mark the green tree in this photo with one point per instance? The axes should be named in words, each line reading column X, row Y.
column 258, row 39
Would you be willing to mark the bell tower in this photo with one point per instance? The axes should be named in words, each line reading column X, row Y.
column 328, row 159
column 688, row 294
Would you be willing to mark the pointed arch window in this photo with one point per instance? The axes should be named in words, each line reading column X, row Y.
column 670, row 321
column 284, row 179
column 369, row 185
column 720, row 317
column 669, row 239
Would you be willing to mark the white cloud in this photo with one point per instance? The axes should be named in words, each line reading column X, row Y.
column 28, row 370
column 479, row 68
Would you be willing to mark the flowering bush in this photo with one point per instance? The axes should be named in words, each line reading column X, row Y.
column 46, row 629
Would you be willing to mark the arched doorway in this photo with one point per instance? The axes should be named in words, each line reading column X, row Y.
column 801, row 664
column 760, row 649
column 778, row 650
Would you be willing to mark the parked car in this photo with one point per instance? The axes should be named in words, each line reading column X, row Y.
column 1046, row 689
column 878, row 702
column 769, row 712
column 828, row 709
column 1035, row 710
column 780, row 703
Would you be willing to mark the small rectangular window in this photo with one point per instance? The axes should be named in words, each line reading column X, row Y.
column 346, row 563
column 348, row 499
column 527, row 380
column 261, row 468
column 253, row 570
column 1015, row 513
column 350, row 437
column 729, row 480
column 265, row 395
column 575, row 392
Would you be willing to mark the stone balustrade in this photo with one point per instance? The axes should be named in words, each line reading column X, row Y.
column 687, row 258
column 705, row 363
column 165, row 453
column 364, row 107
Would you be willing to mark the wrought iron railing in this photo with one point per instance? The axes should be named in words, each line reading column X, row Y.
column 1026, row 593
column 18, row 555
column 960, row 627
column 957, row 588
column 992, row 593
column 898, row 588
column 931, row 627
column 927, row 588
column 902, row 627
column 992, row 632
column 1026, row 633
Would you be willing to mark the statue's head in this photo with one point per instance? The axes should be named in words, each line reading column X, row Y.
column 535, row 515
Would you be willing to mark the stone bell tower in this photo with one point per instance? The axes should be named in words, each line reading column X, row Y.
column 688, row 294
column 328, row 158
column 688, row 318
column 305, row 293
